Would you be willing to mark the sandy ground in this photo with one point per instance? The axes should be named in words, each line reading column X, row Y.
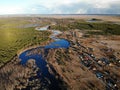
column 77, row 76
column 85, row 17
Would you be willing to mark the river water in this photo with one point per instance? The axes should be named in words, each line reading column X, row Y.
column 48, row 80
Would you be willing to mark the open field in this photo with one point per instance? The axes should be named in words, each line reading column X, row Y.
column 113, row 18
column 14, row 36
column 91, row 62
column 93, row 27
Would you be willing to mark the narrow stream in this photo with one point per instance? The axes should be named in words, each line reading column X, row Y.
column 48, row 80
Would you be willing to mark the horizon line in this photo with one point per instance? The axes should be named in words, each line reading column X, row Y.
column 60, row 14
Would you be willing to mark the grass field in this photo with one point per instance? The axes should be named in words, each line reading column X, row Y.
column 105, row 27
column 14, row 38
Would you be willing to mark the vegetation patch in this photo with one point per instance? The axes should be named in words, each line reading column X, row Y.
column 106, row 28
column 13, row 38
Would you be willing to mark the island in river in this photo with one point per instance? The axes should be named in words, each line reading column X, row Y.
column 80, row 53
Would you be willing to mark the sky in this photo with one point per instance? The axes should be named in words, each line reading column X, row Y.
column 59, row 7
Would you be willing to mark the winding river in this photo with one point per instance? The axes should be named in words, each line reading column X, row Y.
column 47, row 79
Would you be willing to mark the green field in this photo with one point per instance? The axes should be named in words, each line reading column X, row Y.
column 106, row 28
column 13, row 37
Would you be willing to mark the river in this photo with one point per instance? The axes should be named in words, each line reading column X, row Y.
column 48, row 80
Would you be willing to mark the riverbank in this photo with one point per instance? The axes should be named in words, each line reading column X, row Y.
column 86, row 62
column 19, row 74
column 46, row 70
column 34, row 46
column 33, row 66
column 75, row 60
column 14, row 37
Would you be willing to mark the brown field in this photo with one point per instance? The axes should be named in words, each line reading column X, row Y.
column 78, row 65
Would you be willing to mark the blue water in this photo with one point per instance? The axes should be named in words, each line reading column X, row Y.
column 41, row 63
column 60, row 43
column 43, row 73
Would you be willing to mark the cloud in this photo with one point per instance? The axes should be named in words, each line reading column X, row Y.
column 11, row 10
column 63, row 7
column 105, row 8
column 80, row 7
